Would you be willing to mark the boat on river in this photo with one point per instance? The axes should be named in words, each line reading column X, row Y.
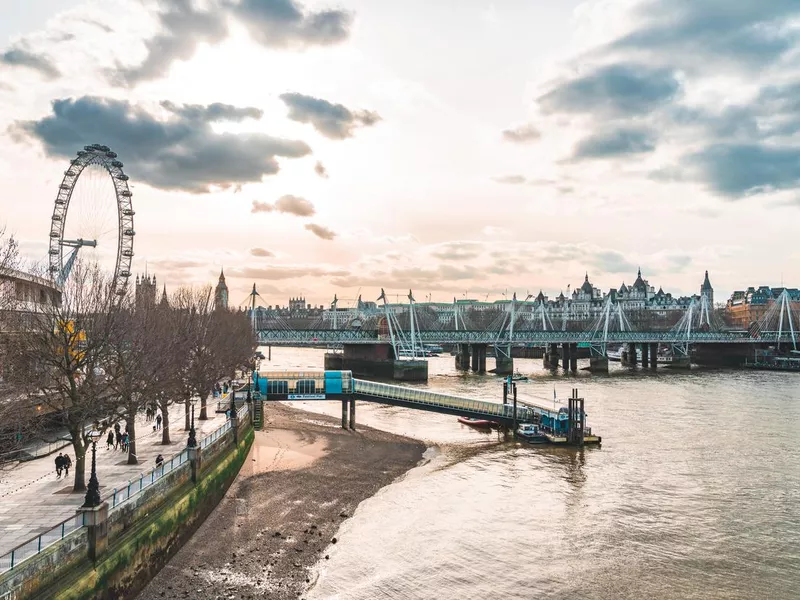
column 532, row 434
column 483, row 423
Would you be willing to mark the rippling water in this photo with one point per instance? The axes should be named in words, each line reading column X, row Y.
column 695, row 493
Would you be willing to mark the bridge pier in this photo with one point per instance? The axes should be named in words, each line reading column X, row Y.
column 598, row 364
column 573, row 357
column 410, row 370
column 552, row 357
column 479, row 358
column 631, row 358
column 334, row 361
column 503, row 365
column 654, row 356
column 565, row 356
column 462, row 357
column 645, row 355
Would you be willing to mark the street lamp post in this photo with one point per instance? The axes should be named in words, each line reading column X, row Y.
column 93, row 489
column 192, row 441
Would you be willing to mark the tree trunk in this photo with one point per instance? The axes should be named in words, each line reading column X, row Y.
column 79, row 465
column 203, row 412
column 164, row 406
column 132, row 459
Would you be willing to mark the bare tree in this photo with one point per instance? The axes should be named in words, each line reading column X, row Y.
column 61, row 356
column 138, row 348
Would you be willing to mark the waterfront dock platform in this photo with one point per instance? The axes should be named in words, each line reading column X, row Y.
column 33, row 499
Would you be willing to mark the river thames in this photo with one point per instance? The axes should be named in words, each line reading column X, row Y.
column 695, row 493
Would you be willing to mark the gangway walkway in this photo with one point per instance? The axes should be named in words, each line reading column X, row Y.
column 340, row 385
column 442, row 403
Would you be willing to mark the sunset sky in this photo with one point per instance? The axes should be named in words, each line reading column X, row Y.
column 451, row 147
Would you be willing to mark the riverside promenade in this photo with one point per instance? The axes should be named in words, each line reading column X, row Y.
column 33, row 499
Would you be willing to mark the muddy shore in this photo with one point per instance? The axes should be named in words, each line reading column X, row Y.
column 303, row 477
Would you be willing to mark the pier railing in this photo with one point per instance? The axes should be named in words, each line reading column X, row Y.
column 434, row 399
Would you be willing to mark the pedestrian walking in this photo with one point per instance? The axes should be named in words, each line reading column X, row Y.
column 117, row 441
column 125, row 439
column 159, row 461
column 67, row 464
column 59, row 464
column 158, row 421
column 110, row 440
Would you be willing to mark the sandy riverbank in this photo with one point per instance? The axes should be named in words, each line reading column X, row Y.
column 303, row 477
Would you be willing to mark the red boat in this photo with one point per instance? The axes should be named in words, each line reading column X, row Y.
column 477, row 422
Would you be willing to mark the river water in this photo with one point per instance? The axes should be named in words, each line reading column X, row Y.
column 695, row 493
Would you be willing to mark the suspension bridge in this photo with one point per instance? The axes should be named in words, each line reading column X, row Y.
column 409, row 330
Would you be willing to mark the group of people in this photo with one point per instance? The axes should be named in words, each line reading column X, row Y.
column 151, row 414
column 117, row 440
column 63, row 463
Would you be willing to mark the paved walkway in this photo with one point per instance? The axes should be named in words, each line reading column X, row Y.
column 33, row 499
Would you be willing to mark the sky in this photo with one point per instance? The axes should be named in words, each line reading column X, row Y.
column 456, row 148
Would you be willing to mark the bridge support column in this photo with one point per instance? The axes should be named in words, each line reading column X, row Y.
column 503, row 365
column 353, row 414
column 598, row 364
column 632, row 357
column 479, row 358
column 653, row 356
column 645, row 355
column 344, row 414
column 553, row 356
column 410, row 370
column 573, row 357
column 545, row 358
column 334, row 361
column 565, row 355
column 462, row 357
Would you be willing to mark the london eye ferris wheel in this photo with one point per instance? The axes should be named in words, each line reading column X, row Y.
column 93, row 211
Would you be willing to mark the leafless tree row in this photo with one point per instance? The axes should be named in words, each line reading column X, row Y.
column 98, row 358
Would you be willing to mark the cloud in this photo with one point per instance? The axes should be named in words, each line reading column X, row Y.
column 709, row 34
column 320, row 170
column 19, row 57
column 279, row 272
column 320, row 231
column 261, row 253
column 334, row 121
column 271, row 23
column 182, row 28
column 95, row 23
column 295, row 205
column 611, row 261
column 177, row 153
column 213, row 112
column 457, row 251
column 289, row 204
column 510, row 179
column 738, row 170
column 261, row 207
column 615, row 142
column 623, row 89
column 522, row 134
column 285, row 23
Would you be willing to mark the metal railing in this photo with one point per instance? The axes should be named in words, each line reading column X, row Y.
column 423, row 397
column 134, row 487
column 41, row 542
column 216, row 434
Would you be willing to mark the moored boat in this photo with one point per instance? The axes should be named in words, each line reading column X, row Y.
column 477, row 422
column 532, row 434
